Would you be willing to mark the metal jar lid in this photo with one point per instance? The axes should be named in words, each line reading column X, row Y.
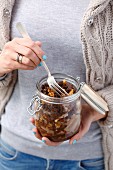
column 93, row 99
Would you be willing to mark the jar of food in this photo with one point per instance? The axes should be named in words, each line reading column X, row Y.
column 57, row 118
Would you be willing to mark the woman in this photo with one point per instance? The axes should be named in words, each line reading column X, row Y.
column 58, row 32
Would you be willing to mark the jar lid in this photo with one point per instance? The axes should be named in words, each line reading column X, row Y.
column 93, row 99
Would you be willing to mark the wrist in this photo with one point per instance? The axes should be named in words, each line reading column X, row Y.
column 92, row 114
column 97, row 116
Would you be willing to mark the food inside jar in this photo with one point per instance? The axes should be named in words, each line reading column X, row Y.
column 58, row 122
column 68, row 87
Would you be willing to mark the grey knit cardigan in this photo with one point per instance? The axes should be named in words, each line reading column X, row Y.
column 97, row 43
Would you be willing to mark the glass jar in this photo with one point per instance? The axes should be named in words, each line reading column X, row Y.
column 57, row 118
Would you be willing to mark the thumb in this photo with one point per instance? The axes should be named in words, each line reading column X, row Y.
column 50, row 143
column 82, row 131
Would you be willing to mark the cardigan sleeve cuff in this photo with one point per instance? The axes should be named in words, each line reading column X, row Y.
column 107, row 95
column 5, row 80
column 3, row 77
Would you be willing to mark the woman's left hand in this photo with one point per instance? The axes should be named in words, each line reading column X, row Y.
column 88, row 116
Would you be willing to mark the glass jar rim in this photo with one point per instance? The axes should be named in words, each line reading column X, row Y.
column 62, row 100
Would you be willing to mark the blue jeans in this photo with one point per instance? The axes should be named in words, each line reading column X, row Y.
column 11, row 159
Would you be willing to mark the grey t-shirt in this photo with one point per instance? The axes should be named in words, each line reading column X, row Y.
column 56, row 23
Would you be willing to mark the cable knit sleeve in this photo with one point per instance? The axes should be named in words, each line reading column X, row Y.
column 6, row 89
column 107, row 95
column 97, row 43
column 5, row 80
column 96, row 36
column 106, row 126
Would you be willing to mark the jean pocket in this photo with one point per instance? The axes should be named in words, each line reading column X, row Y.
column 7, row 152
column 97, row 164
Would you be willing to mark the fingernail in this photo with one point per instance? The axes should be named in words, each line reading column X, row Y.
column 44, row 57
column 43, row 141
column 40, row 64
column 74, row 141
column 34, row 133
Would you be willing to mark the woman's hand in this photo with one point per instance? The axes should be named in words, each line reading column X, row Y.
column 88, row 116
column 30, row 50
column 44, row 139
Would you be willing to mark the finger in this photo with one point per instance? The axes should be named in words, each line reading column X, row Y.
column 32, row 120
column 13, row 64
column 27, row 65
column 75, row 138
column 28, row 62
column 10, row 60
column 30, row 44
column 22, row 66
column 38, row 43
column 37, row 134
column 25, row 51
column 82, row 131
column 50, row 143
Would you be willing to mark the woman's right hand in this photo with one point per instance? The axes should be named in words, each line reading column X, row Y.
column 30, row 50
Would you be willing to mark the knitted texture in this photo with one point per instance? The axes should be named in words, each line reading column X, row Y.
column 97, row 51
column 5, row 8
column 6, row 85
column 107, row 127
column 97, row 45
column 97, row 42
